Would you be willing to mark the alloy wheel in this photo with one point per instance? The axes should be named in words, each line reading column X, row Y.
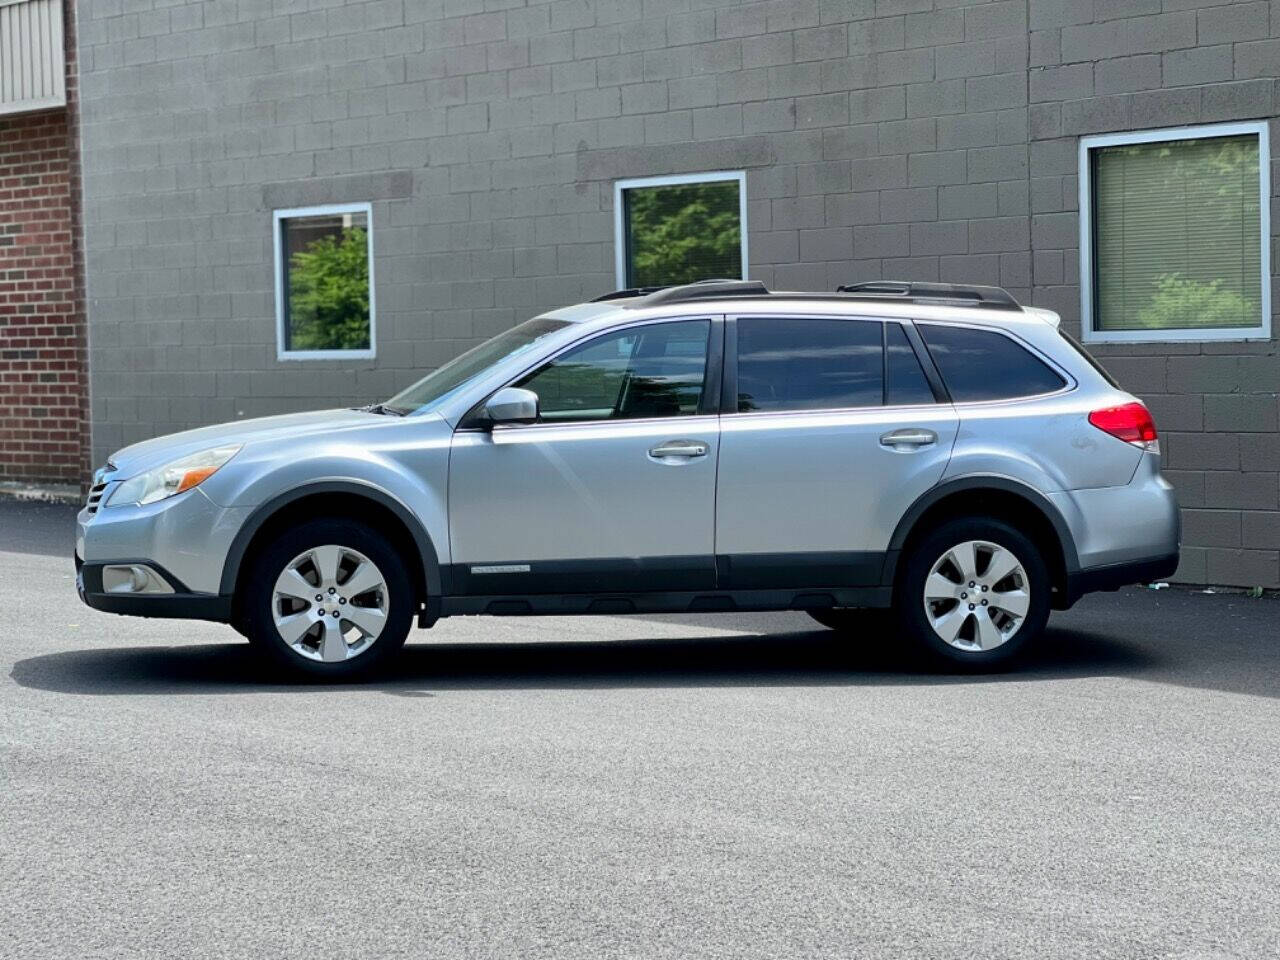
column 977, row 595
column 330, row 603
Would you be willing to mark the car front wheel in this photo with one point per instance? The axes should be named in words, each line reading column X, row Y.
column 974, row 592
column 329, row 599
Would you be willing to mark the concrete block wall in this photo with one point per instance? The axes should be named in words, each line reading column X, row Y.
column 488, row 140
column 1098, row 67
column 925, row 139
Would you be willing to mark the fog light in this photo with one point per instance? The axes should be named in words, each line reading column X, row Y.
column 133, row 578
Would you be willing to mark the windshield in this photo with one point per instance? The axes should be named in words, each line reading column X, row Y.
column 437, row 386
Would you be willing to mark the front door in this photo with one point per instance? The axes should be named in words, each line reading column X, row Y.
column 613, row 489
column 836, row 432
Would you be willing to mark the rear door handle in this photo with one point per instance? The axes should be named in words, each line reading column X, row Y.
column 911, row 438
column 679, row 449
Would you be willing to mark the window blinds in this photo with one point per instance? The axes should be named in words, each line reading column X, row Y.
column 1176, row 228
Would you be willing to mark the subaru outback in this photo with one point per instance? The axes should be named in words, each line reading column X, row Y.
column 935, row 449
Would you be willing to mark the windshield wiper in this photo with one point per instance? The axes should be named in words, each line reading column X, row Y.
column 382, row 408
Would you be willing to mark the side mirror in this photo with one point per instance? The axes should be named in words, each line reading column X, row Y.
column 512, row 405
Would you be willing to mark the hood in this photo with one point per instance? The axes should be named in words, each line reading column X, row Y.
column 150, row 454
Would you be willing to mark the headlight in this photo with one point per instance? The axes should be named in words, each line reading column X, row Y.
column 172, row 478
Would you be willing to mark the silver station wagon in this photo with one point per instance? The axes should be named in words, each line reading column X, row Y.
column 937, row 449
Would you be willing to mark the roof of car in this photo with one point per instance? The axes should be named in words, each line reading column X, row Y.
column 895, row 299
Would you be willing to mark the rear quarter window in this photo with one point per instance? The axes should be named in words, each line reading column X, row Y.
column 985, row 365
column 1089, row 359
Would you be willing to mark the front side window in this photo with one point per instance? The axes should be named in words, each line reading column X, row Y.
column 787, row 363
column 979, row 365
column 672, row 230
column 324, row 282
column 1174, row 234
column 658, row 370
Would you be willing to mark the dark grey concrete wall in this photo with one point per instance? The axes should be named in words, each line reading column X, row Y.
column 1106, row 65
column 926, row 139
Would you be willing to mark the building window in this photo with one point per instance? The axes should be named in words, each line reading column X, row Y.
column 324, row 282
column 32, row 61
column 681, row 229
column 1174, row 234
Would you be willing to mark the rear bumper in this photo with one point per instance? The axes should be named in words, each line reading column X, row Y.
column 182, row 604
column 1114, row 526
column 1123, row 535
column 1113, row 576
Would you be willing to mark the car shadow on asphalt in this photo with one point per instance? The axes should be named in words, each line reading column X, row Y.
column 785, row 659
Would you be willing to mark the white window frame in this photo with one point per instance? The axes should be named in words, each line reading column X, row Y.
column 278, row 232
column 1088, row 330
column 680, row 179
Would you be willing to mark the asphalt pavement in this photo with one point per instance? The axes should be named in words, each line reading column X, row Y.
column 718, row 786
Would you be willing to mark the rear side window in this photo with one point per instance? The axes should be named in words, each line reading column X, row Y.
column 787, row 363
column 983, row 365
column 906, row 380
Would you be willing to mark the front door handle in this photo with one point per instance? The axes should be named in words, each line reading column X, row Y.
column 911, row 438
column 679, row 450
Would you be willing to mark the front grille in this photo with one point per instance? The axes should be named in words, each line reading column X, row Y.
column 95, row 497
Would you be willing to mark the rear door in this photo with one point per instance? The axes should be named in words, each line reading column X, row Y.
column 830, row 430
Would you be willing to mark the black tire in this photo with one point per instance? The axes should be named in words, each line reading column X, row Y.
column 909, row 594
column 267, row 566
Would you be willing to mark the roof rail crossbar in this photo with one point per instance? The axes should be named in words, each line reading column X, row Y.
column 996, row 298
column 707, row 290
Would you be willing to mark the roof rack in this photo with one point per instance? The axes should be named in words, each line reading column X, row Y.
column 993, row 298
column 698, row 290
column 625, row 293
column 707, row 290
column 954, row 294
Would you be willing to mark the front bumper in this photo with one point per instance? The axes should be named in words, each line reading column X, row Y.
column 188, row 535
column 181, row 604
column 183, row 541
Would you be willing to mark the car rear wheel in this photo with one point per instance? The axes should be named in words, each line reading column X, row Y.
column 329, row 599
column 974, row 592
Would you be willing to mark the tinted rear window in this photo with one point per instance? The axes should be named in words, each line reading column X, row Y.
column 808, row 364
column 983, row 365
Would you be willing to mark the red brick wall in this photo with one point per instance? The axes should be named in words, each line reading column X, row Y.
column 43, row 381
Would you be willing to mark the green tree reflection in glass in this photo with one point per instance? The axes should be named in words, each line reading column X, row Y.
column 329, row 292
column 683, row 233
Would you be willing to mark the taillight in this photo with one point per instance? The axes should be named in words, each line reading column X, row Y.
column 1130, row 422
